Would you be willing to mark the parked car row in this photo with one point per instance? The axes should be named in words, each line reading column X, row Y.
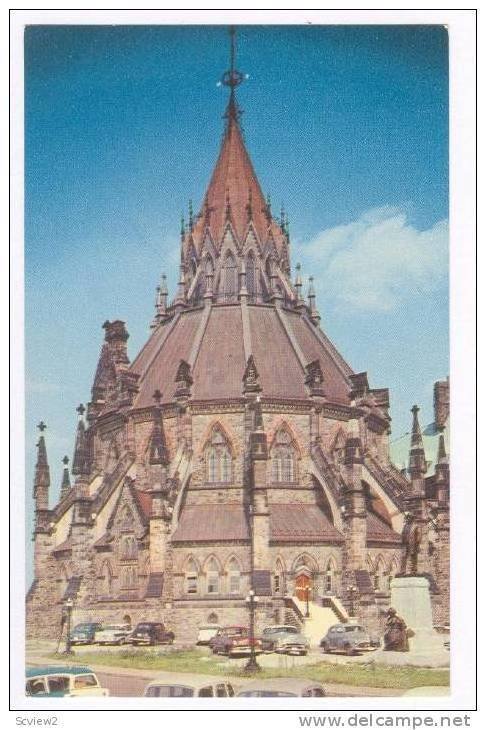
column 146, row 632
column 285, row 639
column 83, row 682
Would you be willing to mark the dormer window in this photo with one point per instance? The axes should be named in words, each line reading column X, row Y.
column 283, row 459
column 218, row 460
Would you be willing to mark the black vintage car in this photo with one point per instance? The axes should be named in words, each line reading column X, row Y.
column 150, row 632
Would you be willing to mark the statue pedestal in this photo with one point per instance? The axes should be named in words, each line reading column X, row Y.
column 410, row 596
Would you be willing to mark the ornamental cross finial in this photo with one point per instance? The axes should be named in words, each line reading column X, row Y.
column 232, row 78
column 65, row 461
column 41, row 426
column 80, row 409
column 157, row 396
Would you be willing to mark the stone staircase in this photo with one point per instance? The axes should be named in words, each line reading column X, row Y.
column 321, row 617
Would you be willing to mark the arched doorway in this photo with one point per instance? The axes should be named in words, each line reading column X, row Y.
column 303, row 587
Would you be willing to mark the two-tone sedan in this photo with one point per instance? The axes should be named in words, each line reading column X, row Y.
column 284, row 639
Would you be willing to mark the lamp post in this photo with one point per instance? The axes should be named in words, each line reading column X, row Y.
column 68, row 607
column 352, row 590
column 307, row 591
column 252, row 664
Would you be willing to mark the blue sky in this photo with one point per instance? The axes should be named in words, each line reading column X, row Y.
column 347, row 125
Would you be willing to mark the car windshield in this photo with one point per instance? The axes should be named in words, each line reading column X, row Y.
column 144, row 627
column 85, row 680
column 169, row 690
column 266, row 693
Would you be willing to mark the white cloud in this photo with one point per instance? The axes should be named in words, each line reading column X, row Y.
column 379, row 260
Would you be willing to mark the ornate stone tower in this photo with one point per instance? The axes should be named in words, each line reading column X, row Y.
column 238, row 450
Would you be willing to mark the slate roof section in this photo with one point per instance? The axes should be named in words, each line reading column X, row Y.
column 216, row 378
column 301, row 523
column 155, row 585
column 212, row 523
column 233, row 178
column 363, row 582
column 262, row 582
column 73, row 586
column 379, row 531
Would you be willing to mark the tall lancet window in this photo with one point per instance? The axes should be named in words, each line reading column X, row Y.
column 283, row 458
column 230, row 277
column 218, row 459
column 251, row 277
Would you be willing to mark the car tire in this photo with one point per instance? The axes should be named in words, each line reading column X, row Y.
column 326, row 649
column 349, row 651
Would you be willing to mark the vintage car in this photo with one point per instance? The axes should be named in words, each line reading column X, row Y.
column 63, row 682
column 234, row 641
column 283, row 687
column 348, row 638
column 189, row 685
column 284, row 639
column 206, row 633
column 85, row 633
column 112, row 634
column 150, row 632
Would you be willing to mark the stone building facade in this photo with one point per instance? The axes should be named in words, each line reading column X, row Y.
column 237, row 451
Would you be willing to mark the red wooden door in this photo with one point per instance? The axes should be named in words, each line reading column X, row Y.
column 303, row 584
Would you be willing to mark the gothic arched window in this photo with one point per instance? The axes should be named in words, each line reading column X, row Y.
column 283, row 458
column 379, row 577
column 191, row 577
column 234, row 576
column 230, row 277
column 129, row 577
column 279, row 579
column 128, row 547
column 106, row 583
column 251, row 283
column 330, row 576
column 212, row 577
column 218, row 459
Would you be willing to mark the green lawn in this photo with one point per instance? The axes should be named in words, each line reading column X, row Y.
column 370, row 675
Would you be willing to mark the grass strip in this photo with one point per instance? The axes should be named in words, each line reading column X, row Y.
column 357, row 675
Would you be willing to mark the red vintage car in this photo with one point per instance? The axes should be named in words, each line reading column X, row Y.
column 234, row 641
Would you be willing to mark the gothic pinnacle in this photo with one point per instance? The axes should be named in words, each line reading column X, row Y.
column 42, row 474
column 66, row 482
column 191, row 216
column 417, row 463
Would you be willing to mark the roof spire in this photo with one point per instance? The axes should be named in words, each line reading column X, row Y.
column 66, row 482
column 42, row 475
column 80, row 459
column 232, row 78
column 417, row 464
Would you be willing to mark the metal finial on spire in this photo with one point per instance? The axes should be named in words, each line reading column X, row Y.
column 232, row 78
column 80, row 409
column 65, row 460
column 157, row 396
column 41, row 426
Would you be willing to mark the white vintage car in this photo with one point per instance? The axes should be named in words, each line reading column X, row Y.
column 112, row 634
column 206, row 633
column 63, row 682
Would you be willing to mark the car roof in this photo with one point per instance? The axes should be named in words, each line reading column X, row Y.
column 192, row 680
column 281, row 683
column 41, row 671
column 281, row 626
